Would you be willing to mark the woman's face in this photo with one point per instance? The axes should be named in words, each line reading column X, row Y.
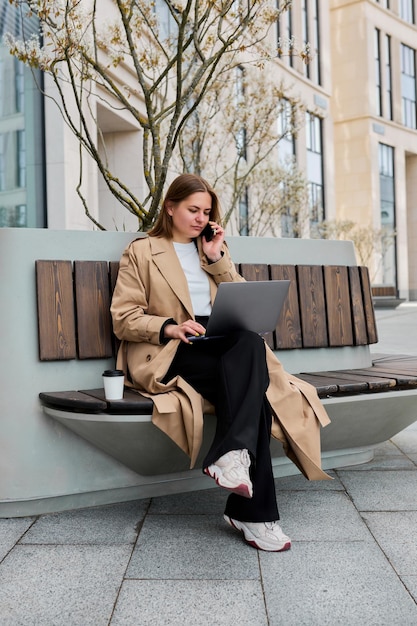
column 190, row 216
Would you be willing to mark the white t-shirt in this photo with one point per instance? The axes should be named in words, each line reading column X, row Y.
column 198, row 282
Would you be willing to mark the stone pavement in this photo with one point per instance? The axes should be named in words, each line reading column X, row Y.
column 172, row 560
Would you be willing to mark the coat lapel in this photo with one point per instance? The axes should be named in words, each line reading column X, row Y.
column 166, row 260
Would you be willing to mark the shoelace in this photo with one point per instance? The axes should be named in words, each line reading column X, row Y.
column 274, row 526
column 242, row 457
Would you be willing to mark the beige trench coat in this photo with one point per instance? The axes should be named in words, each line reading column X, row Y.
column 151, row 288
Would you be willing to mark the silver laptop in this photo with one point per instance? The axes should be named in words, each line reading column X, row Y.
column 253, row 305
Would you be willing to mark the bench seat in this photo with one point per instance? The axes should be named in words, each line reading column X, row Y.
column 388, row 373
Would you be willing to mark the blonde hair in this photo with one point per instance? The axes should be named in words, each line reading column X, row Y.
column 180, row 188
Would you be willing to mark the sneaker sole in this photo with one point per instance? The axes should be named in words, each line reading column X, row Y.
column 253, row 542
column 240, row 490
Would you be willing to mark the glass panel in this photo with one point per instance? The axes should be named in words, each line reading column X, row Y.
column 378, row 71
column 388, row 77
column 316, row 42
column 407, row 10
column 387, row 200
column 315, row 169
column 286, row 145
column 408, row 86
column 22, row 160
column 244, row 214
column 284, row 31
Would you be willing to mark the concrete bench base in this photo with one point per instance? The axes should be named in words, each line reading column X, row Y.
column 165, row 485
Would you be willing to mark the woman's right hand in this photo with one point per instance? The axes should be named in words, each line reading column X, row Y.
column 180, row 331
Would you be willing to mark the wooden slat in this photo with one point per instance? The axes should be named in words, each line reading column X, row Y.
column 254, row 271
column 401, row 380
column 56, row 323
column 397, row 371
column 257, row 271
column 344, row 383
column 368, row 305
column 339, row 318
column 324, row 386
column 360, row 333
column 384, row 290
column 73, row 401
column 394, row 358
column 92, row 297
column 113, row 273
column 288, row 330
column 371, row 382
column 312, row 306
column 132, row 402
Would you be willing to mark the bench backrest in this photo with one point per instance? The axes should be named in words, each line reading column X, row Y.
column 327, row 306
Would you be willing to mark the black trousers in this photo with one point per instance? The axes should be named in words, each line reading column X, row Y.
column 231, row 373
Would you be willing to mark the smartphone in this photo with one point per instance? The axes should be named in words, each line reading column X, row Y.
column 208, row 232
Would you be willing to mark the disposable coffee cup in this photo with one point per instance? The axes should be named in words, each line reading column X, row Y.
column 113, row 381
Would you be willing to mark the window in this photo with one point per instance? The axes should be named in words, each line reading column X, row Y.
column 315, row 43
column 285, row 33
column 22, row 200
column 383, row 79
column 21, row 159
column 384, row 3
column 305, row 29
column 408, row 85
column 377, row 45
column 407, row 10
column 286, row 143
column 241, row 137
column 388, row 77
column 286, row 155
column 244, row 214
column 387, row 203
column 19, row 69
column 315, row 168
column 166, row 22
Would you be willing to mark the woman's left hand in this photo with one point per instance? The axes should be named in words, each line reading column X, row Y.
column 212, row 249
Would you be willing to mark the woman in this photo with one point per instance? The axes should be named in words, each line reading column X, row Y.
column 163, row 295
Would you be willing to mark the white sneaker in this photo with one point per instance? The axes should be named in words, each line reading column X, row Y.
column 231, row 471
column 262, row 535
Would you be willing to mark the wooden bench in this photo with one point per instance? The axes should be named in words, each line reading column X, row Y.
column 56, row 458
column 327, row 307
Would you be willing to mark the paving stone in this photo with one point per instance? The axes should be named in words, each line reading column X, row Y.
column 317, row 516
column 410, row 583
column 182, row 603
column 191, row 547
column 205, row 502
column 11, row 530
column 107, row 524
column 300, row 483
column 380, row 490
column 406, row 440
column 387, row 448
column 395, row 534
column 61, row 585
column 390, row 461
column 332, row 583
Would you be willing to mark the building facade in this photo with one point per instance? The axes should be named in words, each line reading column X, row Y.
column 357, row 146
column 373, row 47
